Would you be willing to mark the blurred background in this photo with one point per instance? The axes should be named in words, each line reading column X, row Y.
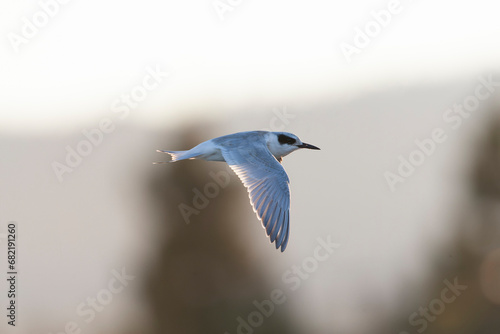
column 402, row 97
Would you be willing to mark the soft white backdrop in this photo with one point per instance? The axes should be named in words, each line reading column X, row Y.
column 92, row 51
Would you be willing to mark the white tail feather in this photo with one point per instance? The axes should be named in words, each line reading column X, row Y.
column 179, row 155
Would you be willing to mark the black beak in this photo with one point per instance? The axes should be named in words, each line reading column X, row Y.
column 309, row 146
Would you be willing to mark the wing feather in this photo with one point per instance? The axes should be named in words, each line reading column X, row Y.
column 278, row 221
column 268, row 188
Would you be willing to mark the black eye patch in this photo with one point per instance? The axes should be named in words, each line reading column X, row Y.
column 284, row 139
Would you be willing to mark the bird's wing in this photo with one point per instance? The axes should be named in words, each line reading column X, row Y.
column 268, row 188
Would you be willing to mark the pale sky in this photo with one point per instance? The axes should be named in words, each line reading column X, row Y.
column 89, row 53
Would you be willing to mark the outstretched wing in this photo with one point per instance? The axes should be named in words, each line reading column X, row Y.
column 268, row 188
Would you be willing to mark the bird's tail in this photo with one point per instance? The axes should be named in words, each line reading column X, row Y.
column 177, row 155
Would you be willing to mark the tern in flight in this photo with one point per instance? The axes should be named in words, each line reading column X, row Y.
column 255, row 156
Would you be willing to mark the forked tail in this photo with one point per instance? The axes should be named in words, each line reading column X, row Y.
column 177, row 155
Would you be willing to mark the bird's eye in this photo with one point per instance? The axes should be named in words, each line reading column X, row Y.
column 284, row 139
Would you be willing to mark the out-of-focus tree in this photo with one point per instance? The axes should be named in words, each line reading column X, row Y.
column 473, row 260
column 202, row 280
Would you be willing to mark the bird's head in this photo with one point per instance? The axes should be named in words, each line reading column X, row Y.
column 281, row 144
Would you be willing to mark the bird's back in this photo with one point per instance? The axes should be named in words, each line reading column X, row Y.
column 240, row 139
